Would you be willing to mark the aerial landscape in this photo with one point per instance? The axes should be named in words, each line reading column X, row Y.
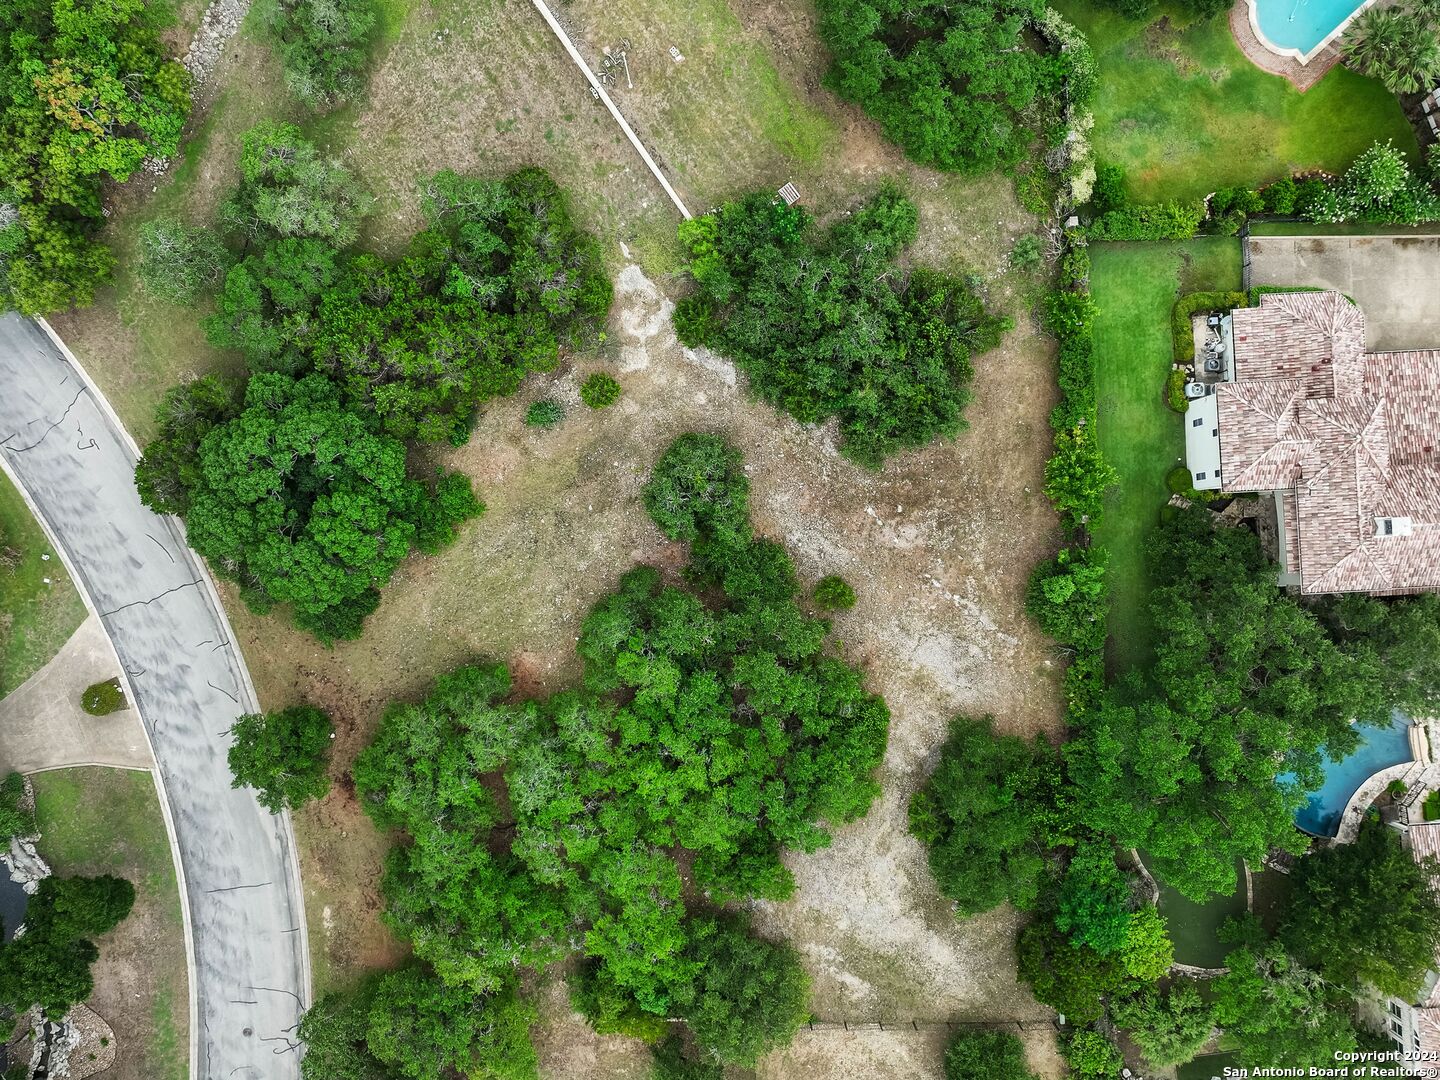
column 796, row 540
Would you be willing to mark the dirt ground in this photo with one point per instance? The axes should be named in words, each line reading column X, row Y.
column 938, row 545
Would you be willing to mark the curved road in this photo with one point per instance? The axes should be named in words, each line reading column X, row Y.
column 249, row 980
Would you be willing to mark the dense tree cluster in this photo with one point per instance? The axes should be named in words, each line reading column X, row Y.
column 825, row 324
column 959, row 86
column 713, row 722
column 86, row 95
column 49, row 965
column 298, row 499
column 1246, row 685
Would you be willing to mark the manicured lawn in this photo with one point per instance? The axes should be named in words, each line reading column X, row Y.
column 36, row 619
column 1185, row 112
column 108, row 821
column 1134, row 286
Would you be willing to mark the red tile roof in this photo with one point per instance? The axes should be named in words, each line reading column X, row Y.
column 1350, row 435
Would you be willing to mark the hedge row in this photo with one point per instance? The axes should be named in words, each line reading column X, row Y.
column 1149, row 221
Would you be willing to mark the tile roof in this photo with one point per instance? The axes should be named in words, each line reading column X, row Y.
column 1350, row 436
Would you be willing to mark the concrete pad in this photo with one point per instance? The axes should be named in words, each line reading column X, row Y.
column 43, row 727
column 1394, row 279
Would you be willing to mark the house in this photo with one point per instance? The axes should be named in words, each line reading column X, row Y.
column 1414, row 1026
column 1345, row 440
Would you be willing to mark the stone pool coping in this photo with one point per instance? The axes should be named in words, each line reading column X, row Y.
column 1302, row 58
column 1267, row 57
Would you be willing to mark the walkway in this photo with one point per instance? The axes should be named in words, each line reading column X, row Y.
column 43, row 727
column 1301, row 76
column 250, row 978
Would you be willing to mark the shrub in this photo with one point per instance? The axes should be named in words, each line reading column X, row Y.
column 834, row 593
column 1026, row 254
column 545, row 413
column 1090, row 1054
column 599, row 391
column 1432, row 806
column 1175, row 390
column 103, row 698
column 986, row 1055
column 1279, row 197
column 1396, row 788
column 1150, row 221
column 1378, row 187
column 1077, row 477
column 1109, row 191
column 179, row 262
column 1179, row 482
column 15, row 818
column 1168, row 1028
column 1068, row 599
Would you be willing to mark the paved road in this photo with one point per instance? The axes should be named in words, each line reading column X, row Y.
column 250, row 980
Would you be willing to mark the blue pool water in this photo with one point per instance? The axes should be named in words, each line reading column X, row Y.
column 12, row 903
column 1302, row 24
column 1380, row 748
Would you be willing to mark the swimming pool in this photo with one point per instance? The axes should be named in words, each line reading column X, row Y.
column 1380, row 748
column 12, row 903
column 1300, row 27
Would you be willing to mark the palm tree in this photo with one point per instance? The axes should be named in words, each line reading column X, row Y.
column 1398, row 47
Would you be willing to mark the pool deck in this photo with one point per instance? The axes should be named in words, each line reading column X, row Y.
column 1301, row 76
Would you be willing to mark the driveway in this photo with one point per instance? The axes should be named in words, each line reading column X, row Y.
column 42, row 725
column 1394, row 279
column 250, row 978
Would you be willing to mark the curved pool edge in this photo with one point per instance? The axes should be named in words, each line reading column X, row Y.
column 1289, row 51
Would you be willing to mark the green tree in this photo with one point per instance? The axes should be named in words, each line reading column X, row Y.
column 1091, row 1054
column 303, row 503
column 323, row 45
column 825, row 324
column 749, row 996
column 68, row 909
column 170, row 467
column 986, row 1055
column 959, row 87
column 1365, row 912
column 1072, row 979
column 699, row 487
column 1077, row 477
column 38, row 969
column 1277, row 1012
column 86, row 96
column 287, row 190
column 1148, row 953
column 283, row 756
column 269, row 305
column 177, row 261
column 1246, row 684
column 422, row 1029
column 1170, row 1027
column 672, row 1063
column 1403, row 635
column 1094, row 901
column 335, row 1031
column 984, row 816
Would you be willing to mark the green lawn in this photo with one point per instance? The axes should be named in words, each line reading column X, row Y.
column 108, row 821
column 36, row 619
column 1185, row 112
column 1134, row 286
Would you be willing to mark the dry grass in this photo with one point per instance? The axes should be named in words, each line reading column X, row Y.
column 938, row 545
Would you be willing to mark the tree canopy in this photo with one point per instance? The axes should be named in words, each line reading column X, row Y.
column 1277, row 1012
column 302, row 502
column 986, row 1055
column 985, row 816
column 1169, row 1027
column 1365, row 912
column 283, row 755
column 962, row 87
column 713, row 723
column 825, row 324
column 1246, row 685
column 49, row 965
column 86, row 95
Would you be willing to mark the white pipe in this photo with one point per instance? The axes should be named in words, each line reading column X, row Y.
column 619, row 119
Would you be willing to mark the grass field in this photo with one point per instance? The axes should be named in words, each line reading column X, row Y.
column 1135, row 286
column 108, row 821
column 36, row 619
column 1183, row 110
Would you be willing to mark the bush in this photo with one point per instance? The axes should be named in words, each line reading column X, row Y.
column 1432, row 806
column 1090, row 1054
column 1193, row 304
column 545, row 413
column 599, row 391
column 15, row 818
column 1279, row 197
column 986, row 1055
column 1378, row 187
column 1179, row 482
column 1067, row 597
column 1109, row 191
column 1077, row 477
column 1027, row 253
column 103, row 698
column 834, row 593
column 1150, row 221
column 178, row 262
column 1175, row 390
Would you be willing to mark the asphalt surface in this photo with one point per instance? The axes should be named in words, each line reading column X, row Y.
column 249, row 984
